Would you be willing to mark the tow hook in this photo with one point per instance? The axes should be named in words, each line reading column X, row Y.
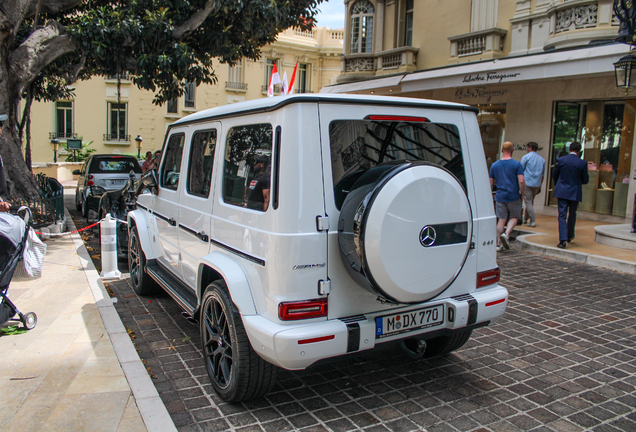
column 413, row 348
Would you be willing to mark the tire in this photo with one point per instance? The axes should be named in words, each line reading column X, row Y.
column 142, row 283
column 443, row 345
column 85, row 207
column 237, row 373
column 29, row 320
column 78, row 205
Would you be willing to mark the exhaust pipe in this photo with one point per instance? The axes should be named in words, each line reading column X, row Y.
column 413, row 348
column 189, row 317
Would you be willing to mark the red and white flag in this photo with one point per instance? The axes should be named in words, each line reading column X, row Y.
column 290, row 88
column 273, row 80
column 284, row 84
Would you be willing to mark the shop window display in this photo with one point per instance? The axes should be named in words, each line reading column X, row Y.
column 606, row 129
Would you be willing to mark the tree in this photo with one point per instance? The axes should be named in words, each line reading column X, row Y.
column 46, row 45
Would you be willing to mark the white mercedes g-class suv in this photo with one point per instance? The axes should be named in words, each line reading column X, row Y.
column 296, row 229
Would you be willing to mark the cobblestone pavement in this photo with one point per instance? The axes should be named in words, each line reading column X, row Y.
column 563, row 358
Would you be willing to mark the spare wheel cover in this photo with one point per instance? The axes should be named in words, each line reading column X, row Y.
column 415, row 232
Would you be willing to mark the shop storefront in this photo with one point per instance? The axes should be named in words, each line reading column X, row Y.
column 552, row 99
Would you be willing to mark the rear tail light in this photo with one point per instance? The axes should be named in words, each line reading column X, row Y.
column 302, row 310
column 488, row 277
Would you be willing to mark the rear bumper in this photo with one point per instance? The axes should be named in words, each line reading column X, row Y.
column 300, row 344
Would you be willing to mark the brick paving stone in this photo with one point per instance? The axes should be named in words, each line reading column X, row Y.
column 561, row 359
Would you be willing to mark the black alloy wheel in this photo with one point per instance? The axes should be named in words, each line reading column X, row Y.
column 237, row 373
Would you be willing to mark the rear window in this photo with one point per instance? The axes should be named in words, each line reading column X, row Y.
column 114, row 165
column 358, row 145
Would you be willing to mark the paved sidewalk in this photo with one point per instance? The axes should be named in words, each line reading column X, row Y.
column 77, row 370
column 584, row 249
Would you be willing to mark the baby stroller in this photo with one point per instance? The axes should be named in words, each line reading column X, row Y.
column 13, row 238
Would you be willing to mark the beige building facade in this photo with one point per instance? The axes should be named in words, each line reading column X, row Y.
column 538, row 70
column 112, row 119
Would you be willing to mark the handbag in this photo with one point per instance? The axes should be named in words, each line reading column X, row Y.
column 32, row 262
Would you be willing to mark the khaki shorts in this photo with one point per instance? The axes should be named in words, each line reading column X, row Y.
column 508, row 210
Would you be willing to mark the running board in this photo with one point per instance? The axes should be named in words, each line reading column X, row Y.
column 179, row 291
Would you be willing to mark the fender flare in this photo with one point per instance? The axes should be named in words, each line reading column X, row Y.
column 139, row 219
column 235, row 279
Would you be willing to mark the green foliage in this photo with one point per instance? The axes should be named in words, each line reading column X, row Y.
column 78, row 155
column 139, row 36
column 12, row 330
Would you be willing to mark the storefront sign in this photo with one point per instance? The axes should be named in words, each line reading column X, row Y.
column 490, row 77
column 478, row 92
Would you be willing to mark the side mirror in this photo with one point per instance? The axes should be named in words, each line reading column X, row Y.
column 149, row 181
column 76, row 172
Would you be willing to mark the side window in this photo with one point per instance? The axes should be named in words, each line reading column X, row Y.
column 201, row 161
column 171, row 165
column 247, row 176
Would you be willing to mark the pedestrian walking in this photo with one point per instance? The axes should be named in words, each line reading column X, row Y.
column 533, row 173
column 507, row 174
column 569, row 175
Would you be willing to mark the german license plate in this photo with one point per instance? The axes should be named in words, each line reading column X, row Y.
column 407, row 321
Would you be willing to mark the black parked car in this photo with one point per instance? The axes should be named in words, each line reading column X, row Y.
column 101, row 173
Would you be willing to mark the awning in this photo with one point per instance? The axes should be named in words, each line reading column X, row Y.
column 588, row 61
column 376, row 83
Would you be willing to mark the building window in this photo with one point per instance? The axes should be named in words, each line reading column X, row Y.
column 361, row 27
column 302, row 78
column 235, row 73
column 64, row 119
column 172, row 106
column 188, row 97
column 408, row 24
column 116, row 122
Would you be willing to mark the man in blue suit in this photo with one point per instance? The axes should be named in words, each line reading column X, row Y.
column 569, row 175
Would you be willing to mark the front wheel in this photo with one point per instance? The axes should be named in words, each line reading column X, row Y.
column 237, row 373
column 142, row 283
column 29, row 320
column 443, row 345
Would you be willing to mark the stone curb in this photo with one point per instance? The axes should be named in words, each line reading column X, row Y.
column 523, row 242
column 151, row 407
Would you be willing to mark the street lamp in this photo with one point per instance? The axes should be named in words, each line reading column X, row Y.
column 138, row 140
column 56, row 143
column 625, row 11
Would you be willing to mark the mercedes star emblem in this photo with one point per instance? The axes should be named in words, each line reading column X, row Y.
column 428, row 236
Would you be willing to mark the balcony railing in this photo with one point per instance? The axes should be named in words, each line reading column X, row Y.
column 116, row 137
column 307, row 33
column 62, row 135
column 489, row 42
column 576, row 17
column 402, row 58
column 229, row 85
column 297, row 91
column 276, row 89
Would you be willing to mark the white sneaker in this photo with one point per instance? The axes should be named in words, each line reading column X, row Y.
column 499, row 248
column 532, row 224
column 504, row 240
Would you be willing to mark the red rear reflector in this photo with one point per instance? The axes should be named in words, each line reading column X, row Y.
column 496, row 302
column 488, row 277
column 302, row 309
column 397, row 118
column 90, row 176
column 89, row 183
column 318, row 339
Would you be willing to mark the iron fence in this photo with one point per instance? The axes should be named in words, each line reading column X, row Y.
column 47, row 206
